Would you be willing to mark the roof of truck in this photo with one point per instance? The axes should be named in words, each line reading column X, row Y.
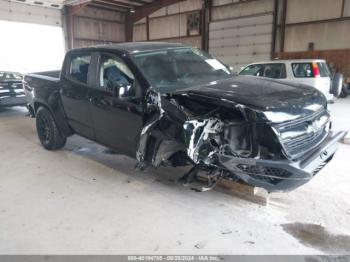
column 134, row 47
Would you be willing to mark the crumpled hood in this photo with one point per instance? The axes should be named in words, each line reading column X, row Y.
column 276, row 101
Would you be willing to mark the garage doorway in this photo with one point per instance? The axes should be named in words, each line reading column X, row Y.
column 30, row 47
column 240, row 41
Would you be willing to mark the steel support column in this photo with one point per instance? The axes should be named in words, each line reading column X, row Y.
column 206, row 18
column 70, row 11
column 129, row 27
column 274, row 29
column 283, row 25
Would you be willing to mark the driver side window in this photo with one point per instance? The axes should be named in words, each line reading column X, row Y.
column 116, row 77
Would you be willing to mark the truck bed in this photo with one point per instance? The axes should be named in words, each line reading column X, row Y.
column 44, row 83
column 49, row 79
column 48, row 75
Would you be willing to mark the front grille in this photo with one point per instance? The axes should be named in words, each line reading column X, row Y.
column 10, row 89
column 17, row 86
column 297, row 146
column 301, row 137
column 267, row 174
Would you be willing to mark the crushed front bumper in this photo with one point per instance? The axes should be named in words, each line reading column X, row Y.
column 283, row 175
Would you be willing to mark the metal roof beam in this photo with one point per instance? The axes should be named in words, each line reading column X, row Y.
column 114, row 4
column 150, row 8
column 76, row 2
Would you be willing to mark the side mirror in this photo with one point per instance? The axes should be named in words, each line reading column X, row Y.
column 118, row 90
column 121, row 91
column 115, row 91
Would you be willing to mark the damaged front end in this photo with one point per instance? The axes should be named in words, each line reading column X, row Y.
column 223, row 139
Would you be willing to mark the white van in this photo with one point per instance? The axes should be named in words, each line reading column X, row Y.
column 312, row 72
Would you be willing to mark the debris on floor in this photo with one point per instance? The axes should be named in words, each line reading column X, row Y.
column 200, row 245
column 226, row 232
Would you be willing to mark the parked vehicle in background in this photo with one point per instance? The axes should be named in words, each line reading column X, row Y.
column 312, row 72
column 168, row 104
column 11, row 89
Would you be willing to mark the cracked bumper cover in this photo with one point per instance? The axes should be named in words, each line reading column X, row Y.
column 282, row 175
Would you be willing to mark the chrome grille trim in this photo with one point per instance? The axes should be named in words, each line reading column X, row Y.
column 309, row 136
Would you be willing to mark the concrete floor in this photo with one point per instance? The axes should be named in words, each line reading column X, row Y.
column 82, row 200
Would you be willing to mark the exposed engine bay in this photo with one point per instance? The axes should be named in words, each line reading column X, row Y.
column 225, row 140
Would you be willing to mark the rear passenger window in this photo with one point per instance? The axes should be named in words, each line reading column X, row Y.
column 323, row 68
column 79, row 68
column 302, row 70
column 273, row 70
column 276, row 71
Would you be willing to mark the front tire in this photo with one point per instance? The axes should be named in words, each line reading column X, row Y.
column 49, row 135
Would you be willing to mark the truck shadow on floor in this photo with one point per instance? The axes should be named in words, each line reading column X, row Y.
column 316, row 236
column 122, row 163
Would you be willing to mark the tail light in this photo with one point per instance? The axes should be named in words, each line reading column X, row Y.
column 315, row 70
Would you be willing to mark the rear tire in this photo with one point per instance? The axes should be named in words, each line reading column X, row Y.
column 344, row 93
column 49, row 135
column 337, row 85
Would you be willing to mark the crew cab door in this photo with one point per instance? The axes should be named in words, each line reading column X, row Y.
column 116, row 104
column 75, row 92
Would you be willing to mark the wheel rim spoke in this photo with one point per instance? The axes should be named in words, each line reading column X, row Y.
column 44, row 129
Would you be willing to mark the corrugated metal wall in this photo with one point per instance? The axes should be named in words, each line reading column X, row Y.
column 316, row 29
column 18, row 12
column 169, row 24
column 325, row 23
column 325, row 36
column 93, row 26
column 241, row 33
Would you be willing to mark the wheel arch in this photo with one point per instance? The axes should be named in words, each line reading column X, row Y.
column 57, row 114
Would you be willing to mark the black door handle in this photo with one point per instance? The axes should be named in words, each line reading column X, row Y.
column 99, row 101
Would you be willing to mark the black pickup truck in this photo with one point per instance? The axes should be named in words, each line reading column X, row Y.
column 168, row 104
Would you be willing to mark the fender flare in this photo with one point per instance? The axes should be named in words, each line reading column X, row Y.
column 56, row 109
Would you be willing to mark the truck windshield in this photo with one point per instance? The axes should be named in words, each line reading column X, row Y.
column 179, row 68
